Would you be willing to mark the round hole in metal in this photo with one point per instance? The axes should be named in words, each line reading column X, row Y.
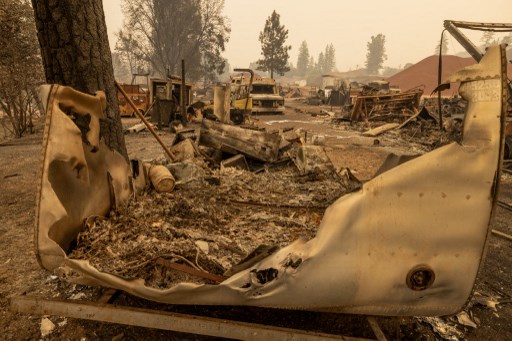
column 420, row 277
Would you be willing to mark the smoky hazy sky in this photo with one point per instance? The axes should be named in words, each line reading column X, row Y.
column 412, row 28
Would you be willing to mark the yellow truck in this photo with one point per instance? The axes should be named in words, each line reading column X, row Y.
column 232, row 102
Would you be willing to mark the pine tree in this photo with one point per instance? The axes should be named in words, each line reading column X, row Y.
column 321, row 62
column 311, row 64
column 273, row 48
column 376, row 54
column 330, row 58
column 303, row 59
column 443, row 44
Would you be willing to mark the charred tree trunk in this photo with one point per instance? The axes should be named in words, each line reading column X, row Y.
column 75, row 51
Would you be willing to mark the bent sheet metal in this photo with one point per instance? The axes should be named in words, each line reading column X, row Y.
column 409, row 242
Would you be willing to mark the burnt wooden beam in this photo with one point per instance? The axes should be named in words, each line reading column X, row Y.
column 256, row 145
column 164, row 320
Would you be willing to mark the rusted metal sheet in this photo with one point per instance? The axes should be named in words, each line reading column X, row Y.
column 409, row 242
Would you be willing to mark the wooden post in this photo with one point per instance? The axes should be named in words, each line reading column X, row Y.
column 158, row 113
column 183, row 104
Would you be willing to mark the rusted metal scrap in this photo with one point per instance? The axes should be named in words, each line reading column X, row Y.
column 397, row 246
column 366, row 107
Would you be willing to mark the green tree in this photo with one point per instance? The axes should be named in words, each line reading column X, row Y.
column 330, row 58
column 303, row 59
column 273, row 47
column 376, row 54
column 443, row 44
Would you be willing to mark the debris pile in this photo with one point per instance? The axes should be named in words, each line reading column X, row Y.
column 214, row 220
column 378, row 106
column 419, row 127
column 449, row 105
column 456, row 327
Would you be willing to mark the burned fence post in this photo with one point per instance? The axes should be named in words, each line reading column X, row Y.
column 158, row 113
column 183, row 104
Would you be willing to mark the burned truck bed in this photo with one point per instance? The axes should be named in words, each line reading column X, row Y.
column 422, row 239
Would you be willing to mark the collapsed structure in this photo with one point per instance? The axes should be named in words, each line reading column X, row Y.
column 408, row 242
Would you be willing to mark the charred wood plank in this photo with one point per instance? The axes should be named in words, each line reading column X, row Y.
column 379, row 130
column 164, row 320
column 257, row 145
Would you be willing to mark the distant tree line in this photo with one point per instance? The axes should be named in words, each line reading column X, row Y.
column 276, row 58
column 489, row 38
column 326, row 61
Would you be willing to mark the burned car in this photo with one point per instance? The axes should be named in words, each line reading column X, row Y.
column 265, row 97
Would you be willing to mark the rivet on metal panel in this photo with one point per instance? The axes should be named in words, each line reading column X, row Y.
column 420, row 277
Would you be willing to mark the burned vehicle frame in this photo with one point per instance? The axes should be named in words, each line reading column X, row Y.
column 265, row 97
column 409, row 242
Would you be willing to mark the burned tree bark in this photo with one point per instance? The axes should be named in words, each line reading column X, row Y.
column 75, row 52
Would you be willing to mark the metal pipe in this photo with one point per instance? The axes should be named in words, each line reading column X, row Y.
column 439, row 80
column 453, row 28
column 143, row 119
column 463, row 40
column 250, row 85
